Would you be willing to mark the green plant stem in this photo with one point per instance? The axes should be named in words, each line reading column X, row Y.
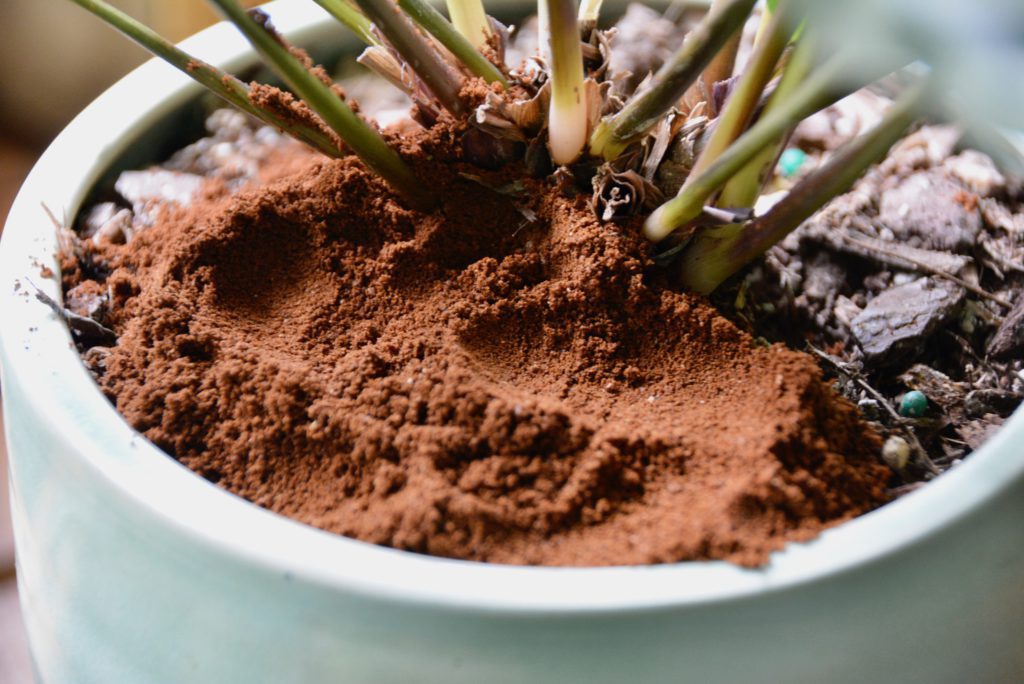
column 220, row 83
column 708, row 261
column 720, row 67
column 364, row 140
column 567, row 115
column 470, row 19
column 439, row 77
column 817, row 92
column 352, row 18
column 743, row 189
column 615, row 133
column 434, row 22
column 739, row 108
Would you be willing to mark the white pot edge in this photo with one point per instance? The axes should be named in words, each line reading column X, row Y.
column 36, row 347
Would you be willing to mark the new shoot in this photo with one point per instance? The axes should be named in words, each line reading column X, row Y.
column 567, row 115
column 469, row 17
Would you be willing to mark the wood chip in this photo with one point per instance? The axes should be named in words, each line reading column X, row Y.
column 902, row 318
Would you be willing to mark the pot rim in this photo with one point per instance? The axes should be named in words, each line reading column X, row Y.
column 38, row 356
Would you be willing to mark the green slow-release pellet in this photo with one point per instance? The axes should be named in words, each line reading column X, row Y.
column 913, row 404
column 790, row 161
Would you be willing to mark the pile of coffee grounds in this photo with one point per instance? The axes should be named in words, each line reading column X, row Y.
column 506, row 379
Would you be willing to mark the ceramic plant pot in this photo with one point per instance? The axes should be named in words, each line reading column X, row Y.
column 132, row 569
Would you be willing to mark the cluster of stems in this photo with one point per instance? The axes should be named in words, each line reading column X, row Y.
column 781, row 83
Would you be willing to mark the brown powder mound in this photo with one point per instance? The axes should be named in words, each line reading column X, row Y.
column 470, row 384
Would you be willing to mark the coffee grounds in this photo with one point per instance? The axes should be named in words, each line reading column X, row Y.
column 473, row 383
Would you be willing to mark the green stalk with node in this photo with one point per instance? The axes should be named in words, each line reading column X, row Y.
column 708, row 261
column 616, row 133
column 351, row 18
column 567, row 114
column 218, row 82
column 434, row 22
column 364, row 140
column 470, row 19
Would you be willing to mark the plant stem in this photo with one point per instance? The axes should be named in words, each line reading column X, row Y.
column 708, row 261
column 213, row 79
column 567, row 115
column 818, row 91
column 439, row 27
column 720, row 68
column 615, row 133
column 442, row 81
column 470, row 20
column 740, row 106
column 364, row 140
column 745, row 186
column 352, row 18
column 589, row 12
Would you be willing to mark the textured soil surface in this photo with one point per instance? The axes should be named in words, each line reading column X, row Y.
column 506, row 379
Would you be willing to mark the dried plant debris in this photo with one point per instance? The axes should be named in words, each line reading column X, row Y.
column 86, row 331
column 644, row 39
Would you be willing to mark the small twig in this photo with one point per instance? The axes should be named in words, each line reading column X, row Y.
column 728, row 215
column 902, row 490
column 907, row 430
column 85, row 329
column 930, row 269
column 965, row 346
column 59, row 225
